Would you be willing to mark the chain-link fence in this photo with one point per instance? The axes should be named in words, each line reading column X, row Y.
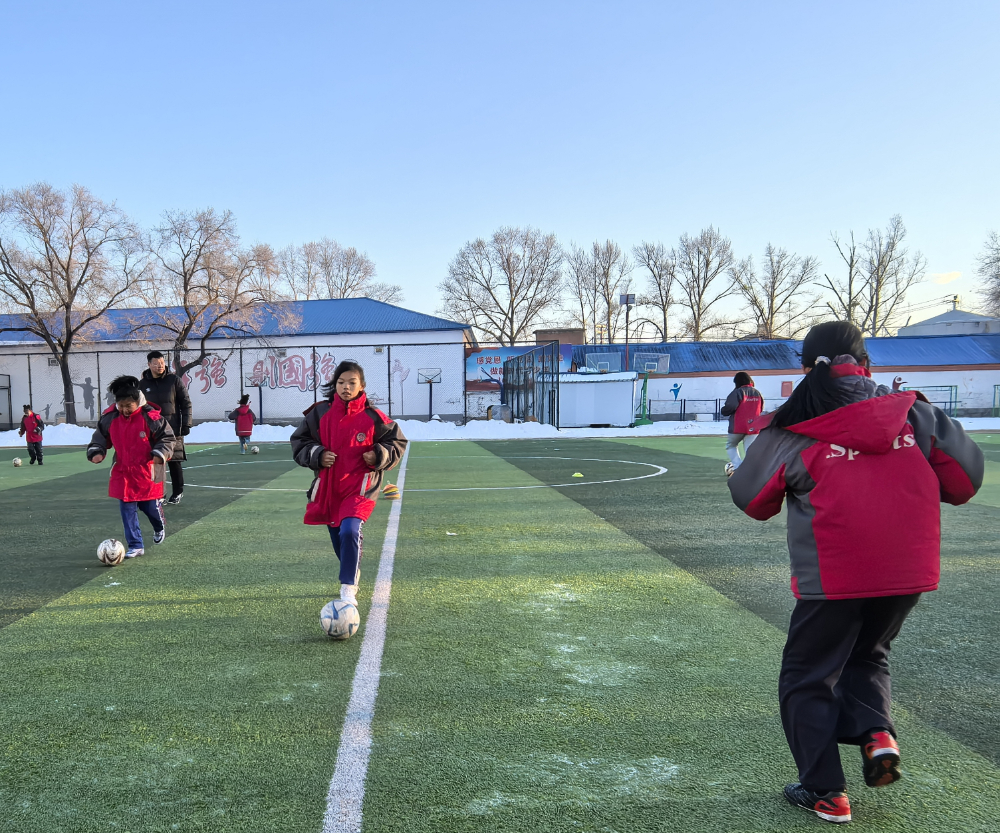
column 282, row 381
column 531, row 385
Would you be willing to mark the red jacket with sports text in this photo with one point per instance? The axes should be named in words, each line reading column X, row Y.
column 864, row 484
column 348, row 488
column 743, row 406
column 143, row 443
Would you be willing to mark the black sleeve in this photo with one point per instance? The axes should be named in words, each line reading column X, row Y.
column 389, row 443
column 182, row 402
column 101, row 440
column 306, row 446
column 732, row 402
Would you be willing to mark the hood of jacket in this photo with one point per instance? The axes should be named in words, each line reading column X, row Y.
column 871, row 423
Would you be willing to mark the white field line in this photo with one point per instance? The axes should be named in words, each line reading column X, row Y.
column 346, row 795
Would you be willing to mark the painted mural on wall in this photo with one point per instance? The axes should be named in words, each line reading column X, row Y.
column 484, row 365
column 211, row 372
column 295, row 371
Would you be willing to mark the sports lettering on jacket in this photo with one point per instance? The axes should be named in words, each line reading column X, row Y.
column 902, row 441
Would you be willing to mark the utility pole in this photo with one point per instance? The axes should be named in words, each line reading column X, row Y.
column 626, row 301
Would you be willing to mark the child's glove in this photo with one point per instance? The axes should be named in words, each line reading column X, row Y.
column 185, row 430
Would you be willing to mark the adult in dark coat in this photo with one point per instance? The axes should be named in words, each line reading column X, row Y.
column 167, row 392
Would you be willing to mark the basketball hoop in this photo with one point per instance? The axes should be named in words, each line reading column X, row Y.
column 429, row 376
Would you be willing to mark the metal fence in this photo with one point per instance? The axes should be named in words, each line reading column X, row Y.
column 531, row 385
column 282, row 382
column 944, row 397
column 661, row 410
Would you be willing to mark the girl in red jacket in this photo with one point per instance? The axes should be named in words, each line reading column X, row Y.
column 245, row 420
column 143, row 441
column 743, row 406
column 32, row 427
column 349, row 444
column 864, row 470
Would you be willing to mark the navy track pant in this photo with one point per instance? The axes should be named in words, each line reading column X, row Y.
column 347, row 540
column 152, row 509
column 834, row 685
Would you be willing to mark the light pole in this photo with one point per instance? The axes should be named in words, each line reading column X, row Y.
column 626, row 301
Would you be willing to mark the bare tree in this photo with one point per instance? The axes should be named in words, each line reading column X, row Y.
column 612, row 270
column 848, row 292
column 65, row 259
column 207, row 284
column 989, row 271
column 776, row 298
column 701, row 262
column 325, row 269
column 504, row 286
column 581, row 286
column 878, row 278
column 661, row 275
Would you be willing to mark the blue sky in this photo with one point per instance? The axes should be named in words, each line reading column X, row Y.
column 407, row 129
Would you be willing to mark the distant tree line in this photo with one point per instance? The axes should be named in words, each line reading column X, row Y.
column 67, row 257
column 520, row 280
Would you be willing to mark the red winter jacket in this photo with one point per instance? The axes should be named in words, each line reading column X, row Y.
column 348, row 488
column 743, row 406
column 864, row 484
column 245, row 420
column 143, row 443
column 32, row 427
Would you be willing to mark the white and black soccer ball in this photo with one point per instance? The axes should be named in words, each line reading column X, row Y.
column 254, row 449
column 17, row 462
column 111, row 552
column 340, row 619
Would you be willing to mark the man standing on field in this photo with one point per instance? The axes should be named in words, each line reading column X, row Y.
column 167, row 392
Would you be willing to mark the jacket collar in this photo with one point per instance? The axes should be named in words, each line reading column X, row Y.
column 355, row 406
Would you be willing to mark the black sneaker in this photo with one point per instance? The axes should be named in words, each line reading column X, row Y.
column 829, row 806
column 31, row 462
column 880, row 759
column 175, row 499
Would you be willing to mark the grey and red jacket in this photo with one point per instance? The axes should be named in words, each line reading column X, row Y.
column 864, row 484
column 143, row 443
column 743, row 406
column 32, row 427
column 348, row 488
column 245, row 420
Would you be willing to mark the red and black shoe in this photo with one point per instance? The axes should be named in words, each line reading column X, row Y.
column 880, row 759
column 829, row 806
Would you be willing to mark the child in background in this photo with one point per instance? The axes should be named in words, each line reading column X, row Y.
column 143, row 441
column 742, row 406
column 32, row 426
column 349, row 444
column 245, row 420
column 864, row 471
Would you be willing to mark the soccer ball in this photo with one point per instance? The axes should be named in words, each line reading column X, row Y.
column 254, row 449
column 111, row 552
column 339, row 619
column 17, row 462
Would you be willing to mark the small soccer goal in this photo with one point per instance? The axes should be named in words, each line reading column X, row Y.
column 944, row 397
column 651, row 362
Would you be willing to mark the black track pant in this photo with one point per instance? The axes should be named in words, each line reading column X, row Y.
column 176, row 477
column 35, row 452
column 834, row 685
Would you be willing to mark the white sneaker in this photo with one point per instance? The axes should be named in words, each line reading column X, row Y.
column 730, row 468
column 349, row 593
column 159, row 536
column 135, row 552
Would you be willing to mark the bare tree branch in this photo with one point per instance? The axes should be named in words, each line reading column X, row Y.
column 776, row 299
column 701, row 262
column 65, row 259
column 989, row 271
column 661, row 277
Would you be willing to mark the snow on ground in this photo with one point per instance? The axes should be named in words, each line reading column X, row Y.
column 222, row 432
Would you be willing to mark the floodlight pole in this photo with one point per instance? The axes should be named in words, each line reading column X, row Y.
column 626, row 301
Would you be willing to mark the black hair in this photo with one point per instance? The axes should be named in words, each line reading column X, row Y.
column 153, row 354
column 742, row 379
column 27, row 407
column 817, row 393
column 124, row 387
column 330, row 388
column 245, row 399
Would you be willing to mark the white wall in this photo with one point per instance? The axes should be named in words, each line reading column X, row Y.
column 592, row 402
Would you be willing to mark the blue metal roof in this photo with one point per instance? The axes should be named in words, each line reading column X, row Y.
column 344, row 316
column 715, row 356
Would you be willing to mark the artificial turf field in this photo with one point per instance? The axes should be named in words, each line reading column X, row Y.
column 601, row 656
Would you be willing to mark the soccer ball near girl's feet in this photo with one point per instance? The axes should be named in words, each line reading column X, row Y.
column 339, row 619
column 111, row 552
column 17, row 462
column 254, row 450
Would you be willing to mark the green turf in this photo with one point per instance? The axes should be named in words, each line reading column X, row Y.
column 190, row 690
column 62, row 512
column 547, row 671
column 598, row 657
